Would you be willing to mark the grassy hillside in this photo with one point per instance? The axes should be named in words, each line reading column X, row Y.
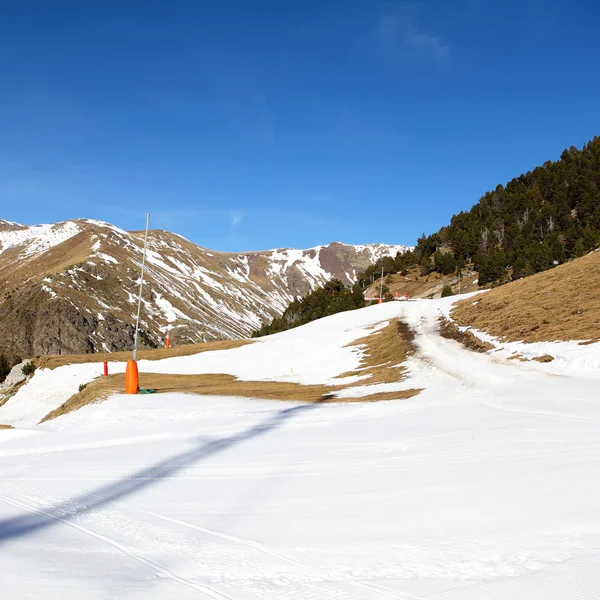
column 417, row 285
column 562, row 304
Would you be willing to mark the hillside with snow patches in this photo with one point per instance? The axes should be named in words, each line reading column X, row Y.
column 72, row 286
column 481, row 487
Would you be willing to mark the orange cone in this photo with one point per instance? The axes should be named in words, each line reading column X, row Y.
column 168, row 341
column 132, row 380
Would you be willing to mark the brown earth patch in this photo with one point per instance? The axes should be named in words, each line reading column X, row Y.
column 546, row 358
column 558, row 305
column 450, row 330
column 385, row 349
column 423, row 286
column 216, row 385
column 5, row 426
column 52, row 362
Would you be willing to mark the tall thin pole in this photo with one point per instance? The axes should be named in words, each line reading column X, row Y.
column 381, row 288
column 137, row 321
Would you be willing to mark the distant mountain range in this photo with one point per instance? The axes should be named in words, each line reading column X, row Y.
column 72, row 286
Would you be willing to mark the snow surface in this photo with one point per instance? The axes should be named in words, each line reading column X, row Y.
column 482, row 487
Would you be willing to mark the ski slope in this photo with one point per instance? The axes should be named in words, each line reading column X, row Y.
column 484, row 486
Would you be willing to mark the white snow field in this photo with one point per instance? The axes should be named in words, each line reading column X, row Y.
column 484, row 486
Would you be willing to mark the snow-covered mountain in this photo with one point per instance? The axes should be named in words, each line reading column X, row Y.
column 72, row 286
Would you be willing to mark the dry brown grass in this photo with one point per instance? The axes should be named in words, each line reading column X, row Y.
column 5, row 426
column 384, row 350
column 450, row 331
column 546, row 358
column 423, row 286
column 560, row 304
column 52, row 362
column 215, row 385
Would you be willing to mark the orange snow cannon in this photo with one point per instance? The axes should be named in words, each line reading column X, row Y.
column 132, row 378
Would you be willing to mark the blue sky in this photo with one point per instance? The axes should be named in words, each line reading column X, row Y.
column 249, row 125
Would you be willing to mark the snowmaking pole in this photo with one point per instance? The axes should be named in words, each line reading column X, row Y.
column 132, row 382
column 137, row 321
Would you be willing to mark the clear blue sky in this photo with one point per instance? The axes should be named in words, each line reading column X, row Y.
column 254, row 124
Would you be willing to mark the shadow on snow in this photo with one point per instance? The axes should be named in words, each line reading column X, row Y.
column 22, row 525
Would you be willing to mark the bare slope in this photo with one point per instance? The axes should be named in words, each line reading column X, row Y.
column 71, row 287
column 385, row 351
column 561, row 304
column 423, row 286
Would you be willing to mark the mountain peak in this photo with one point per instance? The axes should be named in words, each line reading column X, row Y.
column 74, row 284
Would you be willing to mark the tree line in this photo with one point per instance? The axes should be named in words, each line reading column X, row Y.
column 537, row 221
column 332, row 298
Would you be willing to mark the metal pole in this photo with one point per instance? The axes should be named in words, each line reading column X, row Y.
column 137, row 321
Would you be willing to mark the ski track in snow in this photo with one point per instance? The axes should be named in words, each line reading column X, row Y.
column 481, row 487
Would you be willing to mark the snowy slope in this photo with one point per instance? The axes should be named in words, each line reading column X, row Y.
column 481, row 487
column 36, row 239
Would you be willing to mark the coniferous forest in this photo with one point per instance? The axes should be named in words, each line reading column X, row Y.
column 538, row 220
column 333, row 297
column 535, row 222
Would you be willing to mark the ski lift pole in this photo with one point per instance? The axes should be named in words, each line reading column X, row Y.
column 132, row 381
column 139, row 309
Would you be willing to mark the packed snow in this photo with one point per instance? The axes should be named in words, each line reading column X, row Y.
column 482, row 487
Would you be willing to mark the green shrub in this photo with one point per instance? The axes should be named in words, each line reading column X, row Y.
column 82, row 386
column 28, row 369
column 447, row 291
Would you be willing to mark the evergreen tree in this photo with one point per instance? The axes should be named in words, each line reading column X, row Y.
column 4, row 368
column 332, row 298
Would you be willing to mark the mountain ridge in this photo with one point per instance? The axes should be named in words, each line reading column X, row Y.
column 72, row 286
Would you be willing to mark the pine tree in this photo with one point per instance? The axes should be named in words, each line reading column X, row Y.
column 4, row 368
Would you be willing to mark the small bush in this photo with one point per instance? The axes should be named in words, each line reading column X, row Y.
column 82, row 386
column 447, row 291
column 28, row 369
